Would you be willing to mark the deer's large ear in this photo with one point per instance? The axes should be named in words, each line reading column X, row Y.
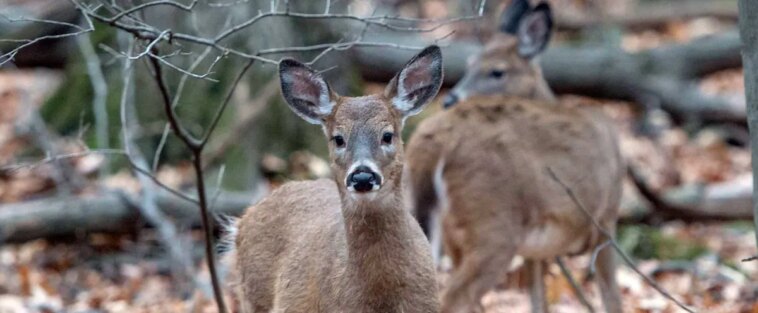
column 305, row 91
column 417, row 83
column 511, row 17
column 534, row 31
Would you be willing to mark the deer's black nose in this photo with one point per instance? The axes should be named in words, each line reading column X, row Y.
column 363, row 179
column 450, row 100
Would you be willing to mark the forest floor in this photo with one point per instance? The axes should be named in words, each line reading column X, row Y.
column 699, row 263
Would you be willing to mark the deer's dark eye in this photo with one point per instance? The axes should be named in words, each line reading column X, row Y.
column 339, row 141
column 497, row 73
column 387, row 138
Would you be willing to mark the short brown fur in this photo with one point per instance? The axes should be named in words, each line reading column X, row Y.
column 313, row 246
column 483, row 165
column 501, row 202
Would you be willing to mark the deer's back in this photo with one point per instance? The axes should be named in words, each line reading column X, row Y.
column 298, row 221
column 493, row 156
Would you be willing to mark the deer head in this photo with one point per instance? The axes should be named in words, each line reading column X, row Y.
column 507, row 64
column 364, row 132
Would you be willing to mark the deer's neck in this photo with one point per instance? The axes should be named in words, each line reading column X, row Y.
column 542, row 90
column 380, row 251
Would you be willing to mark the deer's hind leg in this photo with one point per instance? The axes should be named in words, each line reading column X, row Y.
column 606, row 278
column 535, row 268
column 453, row 242
column 480, row 271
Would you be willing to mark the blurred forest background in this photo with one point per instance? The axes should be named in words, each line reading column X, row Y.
column 98, row 194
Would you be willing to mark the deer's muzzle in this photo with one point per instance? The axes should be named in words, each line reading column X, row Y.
column 363, row 179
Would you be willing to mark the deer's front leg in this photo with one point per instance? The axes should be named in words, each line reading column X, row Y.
column 535, row 269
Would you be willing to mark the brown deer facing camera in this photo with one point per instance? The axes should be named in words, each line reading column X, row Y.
column 479, row 171
column 348, row 244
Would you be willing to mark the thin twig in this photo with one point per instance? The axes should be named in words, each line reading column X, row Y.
column 35, row 20
column 55, row 159
column 595, row 253
column 226, row 5
column 379, row 21
column 143, row 6
column 58, row 157
column 189, row 73
column 616, row 246
column 196, row 147
column 224, row 104
column 181, row 132
column 219, row 190
column 147, row 204
column 206, row 217
column 161, row 184
column 482, row 3
column 752, row 258
column 66, row 177
column 100, row 90
column 150, row 33
column 124, row 97
column 179, row 92
column 149, row 46
column 574, row 285
column 8, row 56
column 244, row 122
column 337, row 46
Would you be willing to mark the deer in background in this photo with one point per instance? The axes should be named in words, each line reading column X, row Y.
column 478, row 171
column 347, row 244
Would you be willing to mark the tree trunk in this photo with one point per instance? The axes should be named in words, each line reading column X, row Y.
column 749, row 33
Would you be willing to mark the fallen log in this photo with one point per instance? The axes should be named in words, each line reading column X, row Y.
column 651, row 15
column 110, row 212
column 663, row 77
column 726, row 201
column 23, row 23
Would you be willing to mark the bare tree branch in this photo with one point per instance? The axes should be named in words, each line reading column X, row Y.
column 179, row 92
column 100, row 89
column 595, row 252
column 147, row 204
column 56, row 159
column 196, row 146
column 613, row 242
column 150, row 33
column 574, row 285
column 10, row 55
column 36, row 20
column 143, row 6
column 224, row 104
column 244, row 122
